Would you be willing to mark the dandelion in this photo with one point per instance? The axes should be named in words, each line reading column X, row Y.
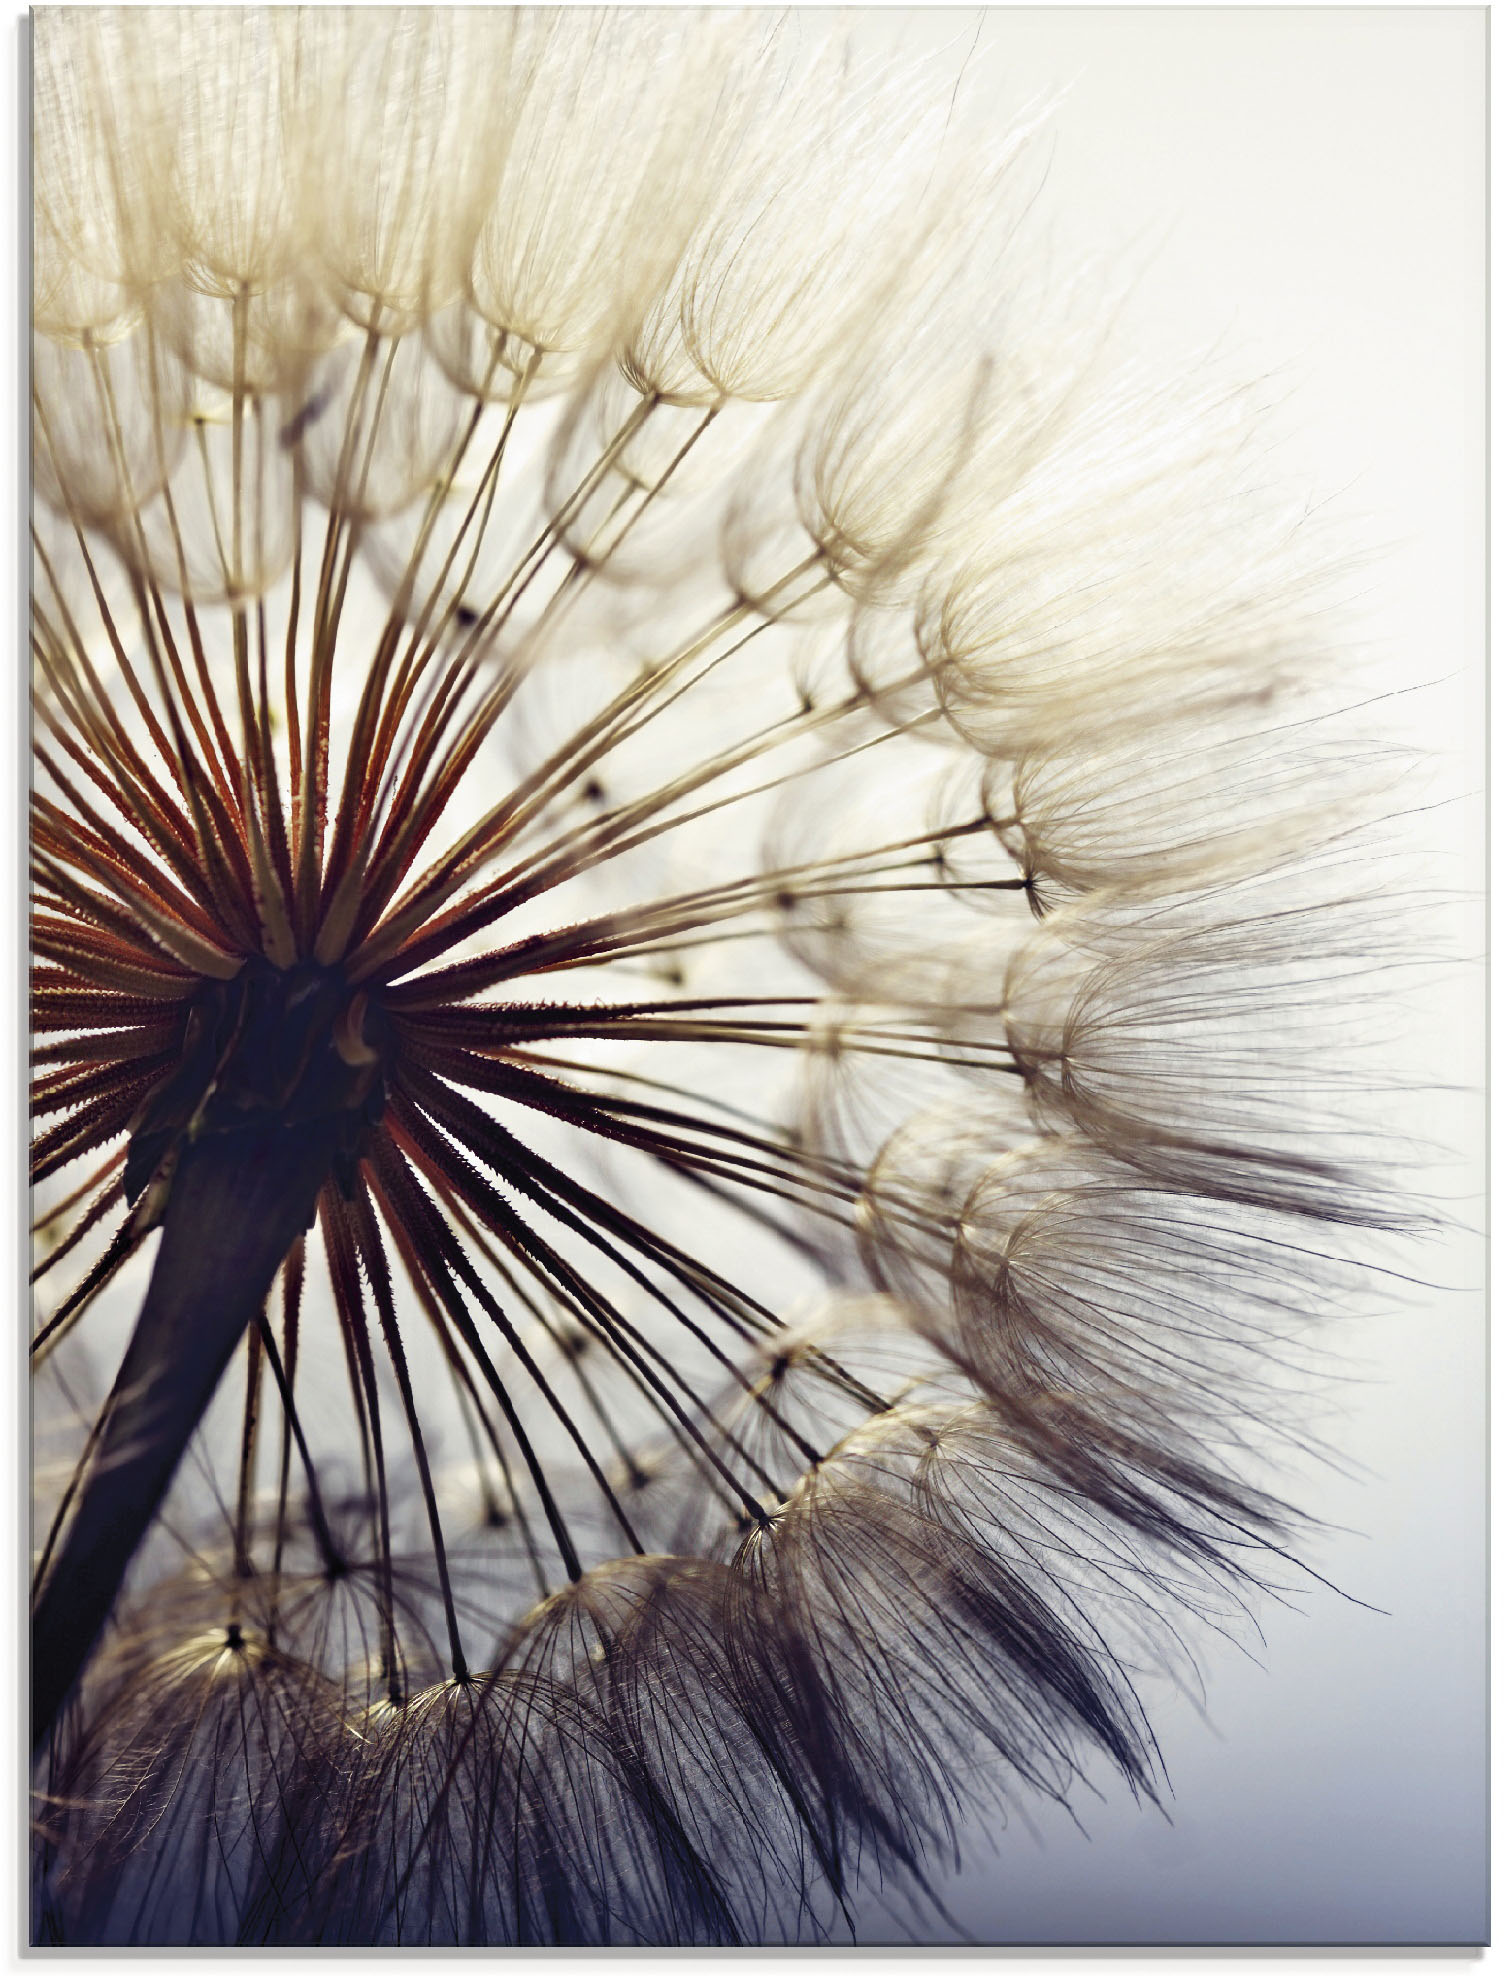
column 681, row 1169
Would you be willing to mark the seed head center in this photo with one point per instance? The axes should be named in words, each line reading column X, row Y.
column 272, row 1049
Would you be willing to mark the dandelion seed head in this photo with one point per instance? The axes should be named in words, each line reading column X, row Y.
column 667, row 1123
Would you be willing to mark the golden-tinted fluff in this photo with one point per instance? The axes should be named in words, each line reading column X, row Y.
column 694, row 986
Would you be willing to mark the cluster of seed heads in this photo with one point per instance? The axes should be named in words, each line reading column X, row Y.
column 696, row 944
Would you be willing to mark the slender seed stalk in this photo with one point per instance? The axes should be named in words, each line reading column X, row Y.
column 239, row 1200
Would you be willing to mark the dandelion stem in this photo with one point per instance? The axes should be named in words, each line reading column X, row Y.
column 239, row 1200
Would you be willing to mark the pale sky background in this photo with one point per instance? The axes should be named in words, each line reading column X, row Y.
column 1305, row 188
